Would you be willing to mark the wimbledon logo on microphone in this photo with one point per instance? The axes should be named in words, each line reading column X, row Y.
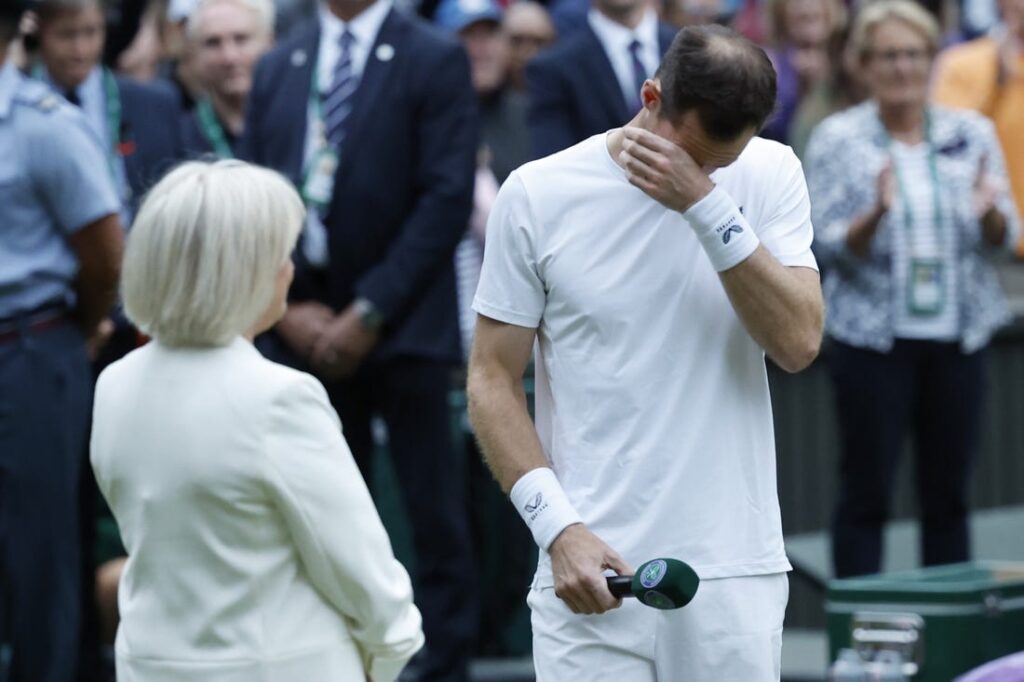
column 653, row 573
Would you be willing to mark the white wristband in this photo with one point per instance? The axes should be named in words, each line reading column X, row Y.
column 724, row 233
column 542, row 503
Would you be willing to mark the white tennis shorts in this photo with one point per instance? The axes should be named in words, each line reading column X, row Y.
column 730, row 632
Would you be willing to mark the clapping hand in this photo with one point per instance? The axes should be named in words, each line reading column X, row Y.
column 886, row 185
column 986, row 191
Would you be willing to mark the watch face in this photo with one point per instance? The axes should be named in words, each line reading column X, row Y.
column 368, row 313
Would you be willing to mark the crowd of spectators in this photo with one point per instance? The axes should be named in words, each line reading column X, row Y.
column 399, row 135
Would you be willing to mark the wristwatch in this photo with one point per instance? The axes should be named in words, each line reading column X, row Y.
column 368, row 313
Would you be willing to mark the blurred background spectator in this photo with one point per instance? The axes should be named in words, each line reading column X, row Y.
column 589, row 82
column 910, row 208
column 987, row 75
column 135, row 122
column 528, row 29
column 228, row 37
column 801, row 32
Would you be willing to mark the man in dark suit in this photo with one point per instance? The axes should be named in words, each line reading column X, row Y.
column 590, row 81
column 372, row 114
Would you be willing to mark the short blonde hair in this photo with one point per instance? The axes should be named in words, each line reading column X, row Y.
column 872, row 14
column 205, row 250
column 263, row 9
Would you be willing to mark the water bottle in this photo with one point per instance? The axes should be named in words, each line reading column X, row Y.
column 849, row 667
column 889, row 667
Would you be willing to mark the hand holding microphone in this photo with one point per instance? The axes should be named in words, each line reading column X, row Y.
column 658, row 583
column 578, row 559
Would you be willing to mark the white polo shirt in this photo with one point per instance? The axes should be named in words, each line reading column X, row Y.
column 652, row 399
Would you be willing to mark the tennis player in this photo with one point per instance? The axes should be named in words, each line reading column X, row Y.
column 654, row 266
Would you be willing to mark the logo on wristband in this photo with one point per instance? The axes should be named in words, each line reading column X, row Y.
column 535, row 505
column 727, row 235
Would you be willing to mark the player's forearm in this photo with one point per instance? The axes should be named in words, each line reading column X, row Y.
column 501, row 421
column 780, row 307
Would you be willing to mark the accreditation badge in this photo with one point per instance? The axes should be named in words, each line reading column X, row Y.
column 926, row 294
column 319, row 180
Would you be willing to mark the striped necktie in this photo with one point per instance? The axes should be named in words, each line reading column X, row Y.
column 337, row 102
column 639, row 76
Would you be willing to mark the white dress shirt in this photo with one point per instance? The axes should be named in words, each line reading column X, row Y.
column 364, row 29
column 616, row 38
column 254, row 549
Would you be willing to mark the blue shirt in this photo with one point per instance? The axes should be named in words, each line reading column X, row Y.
column 49, row 189
column 92, row 94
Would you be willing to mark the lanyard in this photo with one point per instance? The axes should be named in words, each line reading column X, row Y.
column 933, row 172
column 113, row 118
column 212, row 129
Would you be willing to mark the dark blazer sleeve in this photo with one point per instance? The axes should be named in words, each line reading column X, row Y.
column 447, row 135
column 248, row 146
column 550, row 110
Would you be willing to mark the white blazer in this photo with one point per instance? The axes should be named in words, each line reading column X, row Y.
column 255, row 553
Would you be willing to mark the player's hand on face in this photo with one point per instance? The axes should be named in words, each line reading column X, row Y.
column 663, row 169
column 578, row 561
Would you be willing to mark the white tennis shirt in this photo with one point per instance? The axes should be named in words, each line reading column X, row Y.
column 652, row 399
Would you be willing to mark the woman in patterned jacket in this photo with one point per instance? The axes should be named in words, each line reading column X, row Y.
column 910, row 207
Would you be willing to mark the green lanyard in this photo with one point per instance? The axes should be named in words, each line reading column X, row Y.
column 113, row 121
column 933, row 168
column 317, row 106
column 212, row 129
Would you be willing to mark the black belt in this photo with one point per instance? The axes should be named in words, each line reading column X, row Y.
column 44, row 318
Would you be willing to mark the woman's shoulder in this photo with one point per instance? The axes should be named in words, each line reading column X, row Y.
column 965, row 121
column 854, row 121
column 237, row 371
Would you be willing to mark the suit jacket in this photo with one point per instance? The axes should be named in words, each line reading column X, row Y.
column 404, row 186
column 195, row 144
column 150, row 123
column 254, row 549
column 574, row 92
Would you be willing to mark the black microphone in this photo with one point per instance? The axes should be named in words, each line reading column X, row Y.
column 658, row 583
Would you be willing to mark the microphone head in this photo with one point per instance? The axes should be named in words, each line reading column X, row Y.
column 665, row 583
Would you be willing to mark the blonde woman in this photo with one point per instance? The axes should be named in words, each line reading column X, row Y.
column 254, row 550
column 910, row 207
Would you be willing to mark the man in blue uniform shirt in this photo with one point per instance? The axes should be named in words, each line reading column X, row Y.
column 60, row 250
column 137, row 124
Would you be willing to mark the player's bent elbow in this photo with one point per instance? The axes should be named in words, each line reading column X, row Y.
column 800, row 354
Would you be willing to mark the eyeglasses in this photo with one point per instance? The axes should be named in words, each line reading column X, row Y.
column 527, row 40
column 891, row 57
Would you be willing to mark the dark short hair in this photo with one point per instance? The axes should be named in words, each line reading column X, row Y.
column 725, row 78
column 10, row 15
column 47, row 10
